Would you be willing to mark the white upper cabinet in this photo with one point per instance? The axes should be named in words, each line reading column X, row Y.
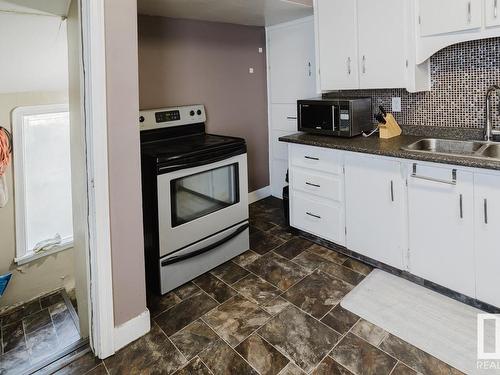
column 447, row 16
column 366, row 44
column 291, row 59
column 492, row 13
column 441, row 23
column 382, row 43
column 336, row 23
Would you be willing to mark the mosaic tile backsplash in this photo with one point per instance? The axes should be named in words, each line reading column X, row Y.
column 460, row 76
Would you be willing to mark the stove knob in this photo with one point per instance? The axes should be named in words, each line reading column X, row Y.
column 198, row 112
column 191, row 113
column 141, row 119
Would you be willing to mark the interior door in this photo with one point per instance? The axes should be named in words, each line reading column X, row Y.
column 375, row 208
column 487, row 250
column 382, row 39
column 447, row 16
column 292, row 62
column 441, row 226
column 336, row 40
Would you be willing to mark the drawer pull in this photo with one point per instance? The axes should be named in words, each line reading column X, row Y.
column 313, row 215
column 486, row 211
column 461, row 206
column 311, row 158
column 291, row 118
column 452, row 182
column 314, row 185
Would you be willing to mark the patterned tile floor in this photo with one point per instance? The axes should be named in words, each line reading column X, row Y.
column 273, row 310
column 36, row 330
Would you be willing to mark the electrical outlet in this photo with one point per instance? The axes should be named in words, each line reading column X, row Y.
column 261, row 50
column 250, row 70
column 396, row 105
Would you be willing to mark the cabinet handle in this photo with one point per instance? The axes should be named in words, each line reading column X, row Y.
column 313, row 215
column 291, row 118
column 486, row 211
column 313, row 185
column 461, row 206
column 364, row 64
column 309, row 68
column 349, row 65
column 469, row 12
column 311, row 158
column 452, row 182
column 392, row 190
column 495, row 9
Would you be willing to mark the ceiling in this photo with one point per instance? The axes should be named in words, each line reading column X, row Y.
column 242, row 12
column 42, row 7
column 34, row 53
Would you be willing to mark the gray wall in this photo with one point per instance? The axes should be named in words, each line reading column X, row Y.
column 127, row 243
column 189, row 62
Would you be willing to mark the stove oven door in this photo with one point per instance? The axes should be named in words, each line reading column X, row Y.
column 198, row 202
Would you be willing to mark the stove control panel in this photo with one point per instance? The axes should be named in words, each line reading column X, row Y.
column 168, row 117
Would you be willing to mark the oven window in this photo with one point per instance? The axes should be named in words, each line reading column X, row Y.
column 203, row 193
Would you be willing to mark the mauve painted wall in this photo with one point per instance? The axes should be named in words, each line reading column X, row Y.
column 127, row 243
column 193, row 62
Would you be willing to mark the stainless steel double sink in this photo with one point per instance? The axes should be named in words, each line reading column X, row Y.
column 475, row 149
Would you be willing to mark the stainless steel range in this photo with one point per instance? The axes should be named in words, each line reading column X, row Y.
column 195, row 196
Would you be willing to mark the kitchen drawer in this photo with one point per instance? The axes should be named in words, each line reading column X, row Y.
column 284, row 117
column 321, row 159
column 313, row 182
column 318, row 216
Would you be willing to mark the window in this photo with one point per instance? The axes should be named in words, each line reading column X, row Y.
column 42, row 181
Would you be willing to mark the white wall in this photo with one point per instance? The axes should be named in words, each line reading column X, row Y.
column 34, row 53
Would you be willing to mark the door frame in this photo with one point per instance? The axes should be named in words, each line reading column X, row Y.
column 100, row 283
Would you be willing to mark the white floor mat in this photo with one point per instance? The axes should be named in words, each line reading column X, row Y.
column 436, row 324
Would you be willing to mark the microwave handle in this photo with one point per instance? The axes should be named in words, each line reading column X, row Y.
column 333, row 117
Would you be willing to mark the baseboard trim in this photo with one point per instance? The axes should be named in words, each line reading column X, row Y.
column 132, row 330
column 257, row 195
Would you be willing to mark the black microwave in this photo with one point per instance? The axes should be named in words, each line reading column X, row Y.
column 342, row 117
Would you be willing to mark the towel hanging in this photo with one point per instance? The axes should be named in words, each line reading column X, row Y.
column 5, row 159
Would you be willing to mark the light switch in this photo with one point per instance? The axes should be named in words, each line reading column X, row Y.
column 261, row 50
column 396, row 104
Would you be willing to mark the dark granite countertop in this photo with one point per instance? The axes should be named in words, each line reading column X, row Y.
column 387, row 147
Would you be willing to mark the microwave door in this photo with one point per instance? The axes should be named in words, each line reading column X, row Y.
column 318, row 117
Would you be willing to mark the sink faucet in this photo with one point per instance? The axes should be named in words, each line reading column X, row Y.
column 489, row 132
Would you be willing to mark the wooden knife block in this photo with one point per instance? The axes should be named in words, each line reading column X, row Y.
column 390, row 129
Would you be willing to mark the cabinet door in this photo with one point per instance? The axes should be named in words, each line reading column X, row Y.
column 336, row 40
column 441, row 227
column 487, row 222
column 375, row 215
column 492, row 12
column 382, row 40
column 448, row 16
column 292, row 62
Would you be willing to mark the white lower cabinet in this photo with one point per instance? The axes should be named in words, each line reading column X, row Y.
column 441, row 226
column 375, row 208
column 321, row 217
column 487, row 223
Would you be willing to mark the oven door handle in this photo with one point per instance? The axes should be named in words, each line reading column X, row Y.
column 180, row 258
column 198, row 163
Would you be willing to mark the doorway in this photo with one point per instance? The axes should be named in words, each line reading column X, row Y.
column 44, row 221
